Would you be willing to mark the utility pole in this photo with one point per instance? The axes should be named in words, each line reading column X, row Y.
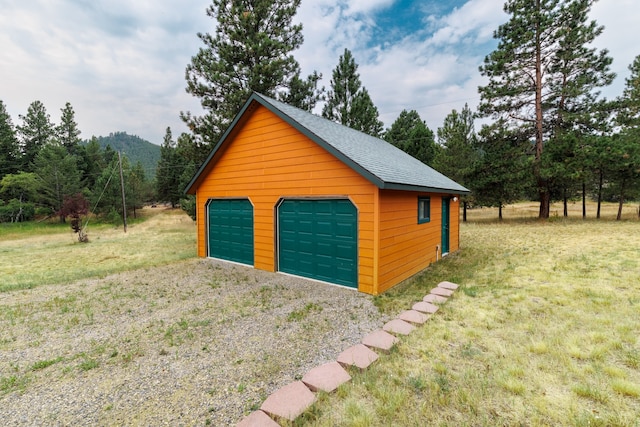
column 124, row 204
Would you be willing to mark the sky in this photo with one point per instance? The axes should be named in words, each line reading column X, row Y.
column 121, row 63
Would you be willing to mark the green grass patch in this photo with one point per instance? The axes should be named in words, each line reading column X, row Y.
column 88, row 364
column 297, row 315
column 42, row 364
column 13, row 383
column 543, row 331
column 35, row 254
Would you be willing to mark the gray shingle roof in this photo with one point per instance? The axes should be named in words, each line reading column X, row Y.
column 381, row 163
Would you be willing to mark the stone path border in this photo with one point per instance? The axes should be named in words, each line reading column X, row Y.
column 290, row 401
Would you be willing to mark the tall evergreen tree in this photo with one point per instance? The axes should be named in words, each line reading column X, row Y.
column 411, row 134
column 625, row 152
column 169, row 172
column 628, row 115
column 542, row 76
column 303, row 93
column 36, row 131
column 185, row 151
column 501, row 171
column 140, row 190
column 349, row 103
column 58, row 174
column 92, row 162
column 67, row 131
column 458, row 154
column 106, row 194
column 250, row 51
column 9, row 147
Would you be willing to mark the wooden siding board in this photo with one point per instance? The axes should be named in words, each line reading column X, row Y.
column 405, row 245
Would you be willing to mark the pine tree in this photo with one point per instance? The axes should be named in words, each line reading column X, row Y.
column 250, row 51
column 58, row 175
column 629, row 113
column 91, row 162
column 67, row 131
column 624, row 153
column 458, row 154
column 349, row 103
column 542, row 76
column 35, row 132
column 411, row 134
column 501, row 170
column 139, row 188
column 169, row 172
column 9, row 148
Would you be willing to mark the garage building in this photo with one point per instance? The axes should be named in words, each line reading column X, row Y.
column 285, row 190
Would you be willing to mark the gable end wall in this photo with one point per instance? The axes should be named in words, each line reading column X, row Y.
column 266, row 160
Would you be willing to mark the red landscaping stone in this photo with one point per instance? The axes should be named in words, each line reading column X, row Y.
column 425, row 307
column 448, row 285
column 289, row 401
column 413, row 316
column 442, row 292
column 359, row 356
column 257, row 419
column 397, row 326
column 381, row 340
column 326, row 377
column 435, row 299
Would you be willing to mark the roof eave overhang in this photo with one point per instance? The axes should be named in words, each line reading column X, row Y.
column 407, row 187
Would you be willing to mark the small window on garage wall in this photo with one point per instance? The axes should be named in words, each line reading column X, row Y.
column 424, row 209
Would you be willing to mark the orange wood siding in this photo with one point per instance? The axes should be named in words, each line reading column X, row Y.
column 407, row 247
column 266, row 160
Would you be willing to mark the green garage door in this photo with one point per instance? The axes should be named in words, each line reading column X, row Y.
column 231, row 230
column 319, row 239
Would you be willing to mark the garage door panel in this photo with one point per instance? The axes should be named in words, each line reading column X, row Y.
column 231, row 230
column 318, row 239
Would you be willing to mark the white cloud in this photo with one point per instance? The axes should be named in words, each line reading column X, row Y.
column 121, row 63
column 620, row 19
column 474, row 22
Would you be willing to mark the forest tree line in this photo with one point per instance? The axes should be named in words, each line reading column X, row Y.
column 547, row 135
column 47, row 170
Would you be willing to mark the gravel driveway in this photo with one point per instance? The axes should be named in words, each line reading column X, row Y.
column 199, row 342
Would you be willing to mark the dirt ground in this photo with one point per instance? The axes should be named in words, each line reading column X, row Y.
column 196, row 342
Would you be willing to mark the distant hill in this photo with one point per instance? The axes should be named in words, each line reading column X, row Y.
column 135, row 148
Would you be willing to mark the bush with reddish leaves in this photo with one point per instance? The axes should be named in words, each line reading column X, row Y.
column 75, row 206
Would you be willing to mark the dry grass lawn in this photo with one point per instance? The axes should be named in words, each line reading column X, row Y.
column 52, row 255
column 544, row 331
